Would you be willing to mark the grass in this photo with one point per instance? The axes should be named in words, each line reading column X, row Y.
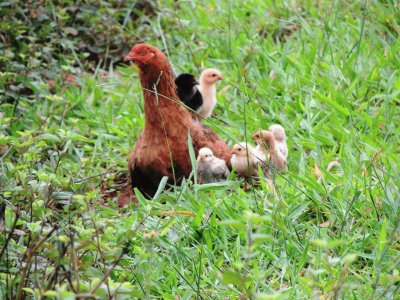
column 324, row 234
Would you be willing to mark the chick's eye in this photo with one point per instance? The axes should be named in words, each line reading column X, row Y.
column 213, row 75
column 143, row 52
column 240, row 149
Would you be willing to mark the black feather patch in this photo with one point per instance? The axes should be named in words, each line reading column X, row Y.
column 186, row 86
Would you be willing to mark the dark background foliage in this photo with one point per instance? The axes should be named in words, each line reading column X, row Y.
column 46, row 40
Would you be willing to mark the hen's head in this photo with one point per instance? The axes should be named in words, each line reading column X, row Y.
column 210, row 76
column 144, row 55
column 205, row 154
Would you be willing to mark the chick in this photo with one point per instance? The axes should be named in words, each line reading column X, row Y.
column 266, row 141
column 210, row 168
column 257, row 137
column 280, row 137
column 188, row 92
column 243, row 160
column 207, row 87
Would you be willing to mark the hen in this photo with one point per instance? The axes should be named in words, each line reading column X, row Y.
column 162, row 148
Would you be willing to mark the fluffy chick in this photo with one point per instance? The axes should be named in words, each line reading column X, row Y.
column 208, row 89
column 266, row 141
column 280, row 137
column 188, row 92
column 244, row 160
column 210, row 168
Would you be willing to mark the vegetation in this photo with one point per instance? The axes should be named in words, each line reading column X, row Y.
column 71, row 112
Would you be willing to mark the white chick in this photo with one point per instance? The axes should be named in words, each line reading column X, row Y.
column 244, row 160
column 266, row 141
column 210, row 168
column 207, row 87
column 280, row 137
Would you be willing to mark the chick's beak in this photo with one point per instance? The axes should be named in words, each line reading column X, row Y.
column 129, row 57
column 220, row 77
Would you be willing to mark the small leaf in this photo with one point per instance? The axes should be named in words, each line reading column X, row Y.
column 215, row 186
column 95, row 273
column 275, row 296
column 255, row 218
column 108, row 211
column 382, row 236
column 261, row 238
column 28, row 290
column 77, row 137
column 232, row 277
column 320, row 243
column 161, row 187
column 303, row 257
column 233, row 223
column 323, row 139
column 142, row 200
column 192, row 157
column 182, row 213
column 168, row 227
column 51, row 294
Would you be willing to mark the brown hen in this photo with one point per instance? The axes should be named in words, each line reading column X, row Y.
column 162, row 148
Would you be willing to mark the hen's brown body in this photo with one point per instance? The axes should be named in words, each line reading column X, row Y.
column 162, row 149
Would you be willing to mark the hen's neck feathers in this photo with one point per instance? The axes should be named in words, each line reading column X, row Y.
column 157, row 108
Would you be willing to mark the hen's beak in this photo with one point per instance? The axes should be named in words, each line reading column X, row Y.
column 129, row 57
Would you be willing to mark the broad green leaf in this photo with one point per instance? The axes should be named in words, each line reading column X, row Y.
column 232, row 277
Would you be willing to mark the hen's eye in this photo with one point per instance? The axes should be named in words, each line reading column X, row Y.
column 143, row 52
